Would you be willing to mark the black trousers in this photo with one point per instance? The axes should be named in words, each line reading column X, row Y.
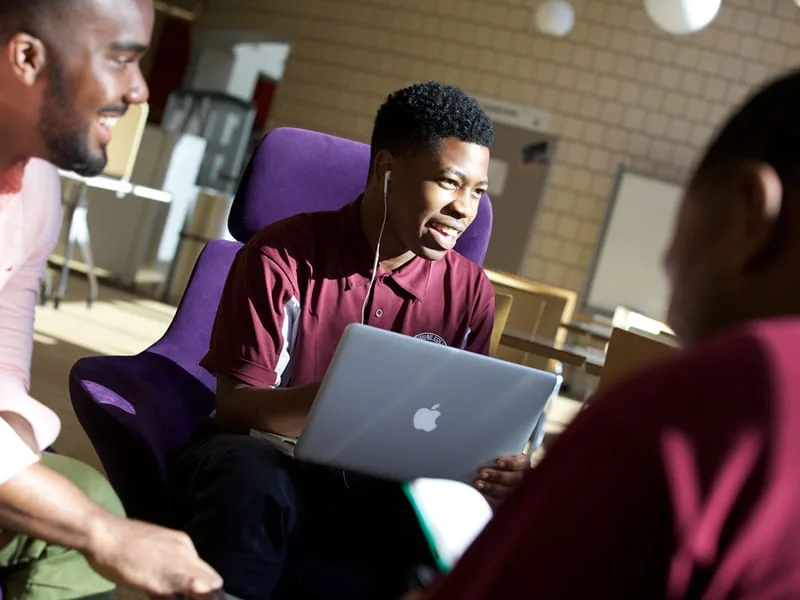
column 277, row 528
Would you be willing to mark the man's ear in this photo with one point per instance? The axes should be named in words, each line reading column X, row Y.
column 382, row 163
column 759, row 202
column 27, row 56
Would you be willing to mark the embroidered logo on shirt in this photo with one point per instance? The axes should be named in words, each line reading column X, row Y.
column 431, row 337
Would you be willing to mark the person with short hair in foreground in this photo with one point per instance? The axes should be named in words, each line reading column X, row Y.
column 681, row 482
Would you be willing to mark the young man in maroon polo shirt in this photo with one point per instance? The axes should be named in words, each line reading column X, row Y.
column 260, row 518
column 682, row 482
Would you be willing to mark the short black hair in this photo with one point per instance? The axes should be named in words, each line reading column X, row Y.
column 29, row 15
column 417, row 118
column 21, row 15
column 764, row 129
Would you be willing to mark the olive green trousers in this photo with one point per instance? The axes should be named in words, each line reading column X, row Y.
column 32, row 569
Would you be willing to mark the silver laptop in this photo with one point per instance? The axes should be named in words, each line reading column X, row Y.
column 402, row 408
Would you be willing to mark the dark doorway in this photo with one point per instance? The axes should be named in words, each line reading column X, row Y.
column 262, row 99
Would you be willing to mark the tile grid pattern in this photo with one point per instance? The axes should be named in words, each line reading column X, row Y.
column 618, row 89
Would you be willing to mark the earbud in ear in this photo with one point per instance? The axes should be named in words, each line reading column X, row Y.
column 386, row 179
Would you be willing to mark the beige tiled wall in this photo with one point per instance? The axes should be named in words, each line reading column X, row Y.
column 619, row 91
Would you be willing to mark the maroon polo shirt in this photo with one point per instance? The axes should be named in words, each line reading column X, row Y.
column 296, row 285
column 680, row 483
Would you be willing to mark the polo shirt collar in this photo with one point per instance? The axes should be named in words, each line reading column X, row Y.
column 357, row 258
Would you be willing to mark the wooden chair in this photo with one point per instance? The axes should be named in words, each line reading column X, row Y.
column 502, row 308
column 525, row 317
column 539, row 309
column 632, row 351
column 121, row 154
column 125, row 141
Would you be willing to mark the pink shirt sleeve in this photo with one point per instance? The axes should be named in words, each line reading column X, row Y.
column 41, row 196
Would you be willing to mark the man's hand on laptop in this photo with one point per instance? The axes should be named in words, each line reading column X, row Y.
column 497, row 481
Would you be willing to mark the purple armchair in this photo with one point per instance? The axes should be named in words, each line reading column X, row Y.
column 138, row 409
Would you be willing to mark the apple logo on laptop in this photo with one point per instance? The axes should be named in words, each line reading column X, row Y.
column 425, row 418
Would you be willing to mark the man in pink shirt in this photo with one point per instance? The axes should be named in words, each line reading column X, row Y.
column 68, row 68
column 682, row 482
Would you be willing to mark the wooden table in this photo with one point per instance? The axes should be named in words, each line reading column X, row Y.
column 76, row 207
column 598, row 331
column 576, row 356
column 594, row 366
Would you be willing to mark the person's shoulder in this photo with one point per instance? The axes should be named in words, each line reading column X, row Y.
column 42, row 167
column 42, row 181
column 298, row 234
column 741, row 371
column 767, row 349
column 466, row 271
column 753, row 347
column 41, row 190
column 298, row 244
column 472, row 276
column 291, row 229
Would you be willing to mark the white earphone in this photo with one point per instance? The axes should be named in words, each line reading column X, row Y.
column 386, row 179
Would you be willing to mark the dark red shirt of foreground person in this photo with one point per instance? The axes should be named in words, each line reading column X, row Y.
column 317, row 269
column 681, row 483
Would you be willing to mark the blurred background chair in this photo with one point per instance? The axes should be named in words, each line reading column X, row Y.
column 121, row 153
column 630, row 351
column 538, row 310
column 502, row 308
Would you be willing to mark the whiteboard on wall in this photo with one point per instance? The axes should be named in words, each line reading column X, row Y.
column 628, row 267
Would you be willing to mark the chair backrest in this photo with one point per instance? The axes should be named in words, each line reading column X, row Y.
column 189, row 335
column 125, row 141
column 629, row 352
column 295, row 171
column 558, row 308
column 502, row 308
column 525, row 317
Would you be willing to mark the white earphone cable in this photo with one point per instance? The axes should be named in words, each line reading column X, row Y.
column 377, row 252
